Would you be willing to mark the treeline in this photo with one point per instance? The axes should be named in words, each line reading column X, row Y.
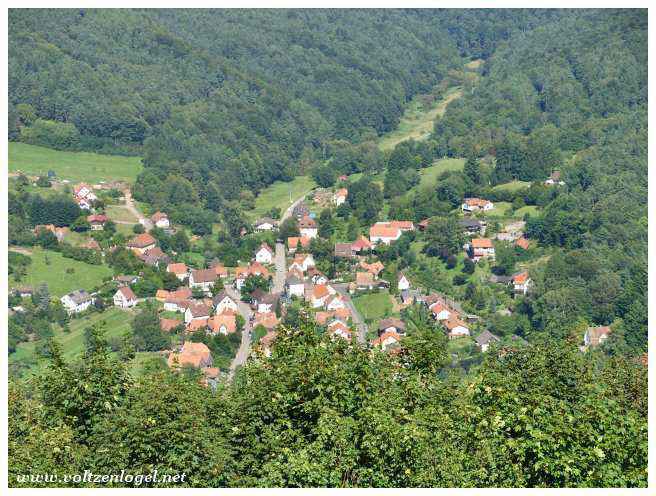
column 321, row 413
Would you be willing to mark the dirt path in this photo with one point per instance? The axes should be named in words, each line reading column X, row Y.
column 129, row 204
column 19, row 249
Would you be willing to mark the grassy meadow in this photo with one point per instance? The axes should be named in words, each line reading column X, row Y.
column 277, row 195
column 51, row 267
column 74, row 166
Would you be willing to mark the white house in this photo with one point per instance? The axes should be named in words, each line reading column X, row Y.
column 441, row 311
column 335, row 302
column 403, row 283
column 308, row 227
column 264, row 254
column 180, row 270
column 196, row 312
column 265, row 224
column 125, row 297
column 160, row 219
column 476, row 204
column 482, row 248
column 340, row 196
column 76, row 301
column 319, row 296
column 303, row 261
column 223, row 303
column 294, row 287
column 485, row 339
column 594, row 336
column 456, row 327
column 203, row 279
column 384, row 232
column 387, row 339
column 521, row 283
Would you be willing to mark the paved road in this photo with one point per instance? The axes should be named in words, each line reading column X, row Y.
column 245, row 346
column 357, row 318
column 288, row 212
column 281, row 269
column 129, row 204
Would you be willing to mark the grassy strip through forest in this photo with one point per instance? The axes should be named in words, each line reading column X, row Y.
column 417, row 122
column 74, row 166
column 279, row 193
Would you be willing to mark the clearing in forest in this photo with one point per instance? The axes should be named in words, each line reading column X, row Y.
column 74, row 166
column 279, row 193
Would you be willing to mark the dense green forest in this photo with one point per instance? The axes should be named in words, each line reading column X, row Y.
column 222, row 103
column 239, row 98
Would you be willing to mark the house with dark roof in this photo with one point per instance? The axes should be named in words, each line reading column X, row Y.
column 76, row 301
column 485, row 340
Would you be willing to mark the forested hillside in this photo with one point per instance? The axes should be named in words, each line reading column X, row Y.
column 239, row 97
column 572, row 96
column 546, row 388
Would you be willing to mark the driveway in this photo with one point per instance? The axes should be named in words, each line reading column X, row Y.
column 287, row 213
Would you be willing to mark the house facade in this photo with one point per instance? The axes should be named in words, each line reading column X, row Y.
column 125, row 297
column 76, row 301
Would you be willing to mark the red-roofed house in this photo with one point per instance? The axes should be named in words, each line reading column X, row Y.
column 167, row 325
column 196, row 311
column 361, row 244
column 192, row 354
column 97, row 221
column 222, row 324
column 482, row 248
column 476, row 204
column 180, row 270
column 383, row 232
column 522, row 243
column 521, row 283
column 386, row 340
column 594, row 336
column 203, row 279
column 125, row 297
column 142, row 243
column 340, row 196
column 456, row 327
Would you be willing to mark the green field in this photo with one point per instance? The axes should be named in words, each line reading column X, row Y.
column 374, row 306
column 85, row 276
column 72, row 343
column 429, row 174
column 278, row 194
column 120, row 213
column 74, row 166
column 528, row 209
column 512, row 186
column 500, row 209
column 417, row 122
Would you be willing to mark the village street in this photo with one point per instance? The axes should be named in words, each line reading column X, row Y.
column 357, row 318
column 245, row 346
column 281, row 269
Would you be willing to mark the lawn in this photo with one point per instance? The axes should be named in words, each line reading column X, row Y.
column 84, row 276
column 500, row 209
column 430, row 174
column 121, row 213
column 417, row 122
column 279, row 193
column 528, row 209
column 72, row 343
column 74, row 166
column 374, row 306
column 512, row 186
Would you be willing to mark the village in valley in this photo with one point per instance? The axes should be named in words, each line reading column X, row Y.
column 245, row 305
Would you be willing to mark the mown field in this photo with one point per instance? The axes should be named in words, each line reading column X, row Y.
column 51, row 267
column 74, row 166
column 278, row 194
column 373, row 306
